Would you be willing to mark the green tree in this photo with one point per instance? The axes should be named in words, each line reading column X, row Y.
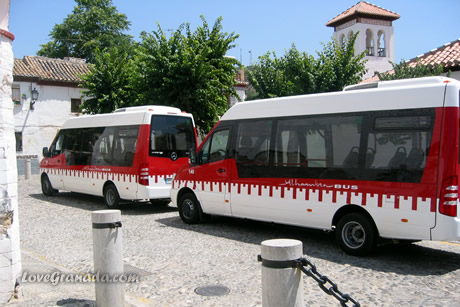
column 188, row 70
column 338, row 66
column 93, row 24
column 109, row 84
column 298, row 73
column 289, row 75
column 404, row 71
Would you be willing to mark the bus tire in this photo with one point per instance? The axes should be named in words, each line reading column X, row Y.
column 356, row 234
column 111, row 197
column 189, row 209
column 47, row 188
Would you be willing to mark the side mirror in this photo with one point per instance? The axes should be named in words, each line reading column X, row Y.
column 192, row 156
column 45, row 152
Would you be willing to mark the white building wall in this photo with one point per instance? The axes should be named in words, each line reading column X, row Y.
column 241, row 91
column 10, row 253
column 51, row 110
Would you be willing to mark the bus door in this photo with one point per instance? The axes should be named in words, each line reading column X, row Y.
column 54, row 162
column 212, row 173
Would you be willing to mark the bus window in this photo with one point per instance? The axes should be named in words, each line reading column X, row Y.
column 215, row 147
column 72, row 146
column 56, row 147
column 253, row 148
column 171, row 134
column 124, row 145
column 399, row 147
column 318, row 147
column 102, row 149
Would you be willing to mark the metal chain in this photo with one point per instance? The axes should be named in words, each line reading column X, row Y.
column 327, row 285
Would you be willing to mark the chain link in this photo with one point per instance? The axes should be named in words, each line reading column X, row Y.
column 327, row 285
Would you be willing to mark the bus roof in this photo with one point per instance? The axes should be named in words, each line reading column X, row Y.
column 128, row 116
column 387, row 95
column 152, row 108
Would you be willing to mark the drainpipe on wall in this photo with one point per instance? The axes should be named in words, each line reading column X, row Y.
column 10, row 253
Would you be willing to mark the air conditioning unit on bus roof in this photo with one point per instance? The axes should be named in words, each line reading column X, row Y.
column 152, row 108
column 397, row 83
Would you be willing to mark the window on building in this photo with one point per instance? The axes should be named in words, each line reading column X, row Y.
column 75, row 105
column 16, row 94
column 18, row 136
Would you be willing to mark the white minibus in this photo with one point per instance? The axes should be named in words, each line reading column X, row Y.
column 130, row 154
column 373, row 161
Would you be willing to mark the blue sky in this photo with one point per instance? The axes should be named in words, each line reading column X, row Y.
column 262, row 25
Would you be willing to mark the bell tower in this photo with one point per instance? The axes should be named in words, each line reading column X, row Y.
column 376, row 34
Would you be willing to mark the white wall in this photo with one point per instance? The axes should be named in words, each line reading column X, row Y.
column 10, row 253
column 39, row 126
column 241, row 91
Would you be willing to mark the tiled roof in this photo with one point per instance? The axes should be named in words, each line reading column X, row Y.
column 42, row 69
column 447, row 55
column 362, row 9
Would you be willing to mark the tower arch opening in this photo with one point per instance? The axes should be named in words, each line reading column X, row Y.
column 370, row 42
column 381, row 51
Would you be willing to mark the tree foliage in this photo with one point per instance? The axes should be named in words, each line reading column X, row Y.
column 338, row 67
column 404, row 71
column 299, row 73
column 109, row 84
column 93, row 24
column 188, row 70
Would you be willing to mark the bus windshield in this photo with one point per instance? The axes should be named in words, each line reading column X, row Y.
column 171, row 134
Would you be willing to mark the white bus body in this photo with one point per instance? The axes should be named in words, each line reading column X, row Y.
column 376, row 162
column 130, row 154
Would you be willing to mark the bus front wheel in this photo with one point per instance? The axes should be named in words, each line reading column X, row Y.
column 356, row 234
column 111, row 197
column 47, row 188
column 189, row 209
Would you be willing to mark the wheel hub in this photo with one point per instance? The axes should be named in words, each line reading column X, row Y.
column 354, row 234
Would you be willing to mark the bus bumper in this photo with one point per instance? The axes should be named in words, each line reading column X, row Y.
column 447, row 228
column 158, row 192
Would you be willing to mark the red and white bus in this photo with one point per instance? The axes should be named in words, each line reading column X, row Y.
column 374, row 161
column 130, row 154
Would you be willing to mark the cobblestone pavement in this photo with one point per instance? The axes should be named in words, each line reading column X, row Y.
column 174, row 258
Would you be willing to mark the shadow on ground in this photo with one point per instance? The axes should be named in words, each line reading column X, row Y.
column 92, row 203
column 411, row 259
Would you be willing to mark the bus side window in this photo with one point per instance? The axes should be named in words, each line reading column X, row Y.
column 72, row 146
column 124, row 145
column 215, row 147
column 56, row 147
column 253, row 143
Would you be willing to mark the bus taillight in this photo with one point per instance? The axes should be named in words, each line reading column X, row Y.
column 449, row 197
column 144, row 174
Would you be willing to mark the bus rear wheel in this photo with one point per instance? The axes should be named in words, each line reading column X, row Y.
column 356, row 234
column 189, row 209
column 111, row 197
column 47, row 188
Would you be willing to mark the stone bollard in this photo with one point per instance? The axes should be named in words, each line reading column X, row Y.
column 108, row 257
column 282, row 284
column 28, row 169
